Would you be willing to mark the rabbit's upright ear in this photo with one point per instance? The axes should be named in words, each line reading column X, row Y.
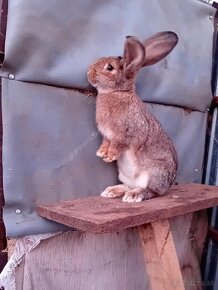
column 158, row 46
column 133, row 55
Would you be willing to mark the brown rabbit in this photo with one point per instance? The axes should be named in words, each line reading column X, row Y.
column 146, row 158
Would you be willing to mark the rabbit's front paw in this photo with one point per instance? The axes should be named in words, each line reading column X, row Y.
column 102, row 152
column 111, row 156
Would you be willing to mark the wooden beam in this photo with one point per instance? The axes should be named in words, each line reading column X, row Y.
column 98, row 215
column 151, row 256
column 160, row 256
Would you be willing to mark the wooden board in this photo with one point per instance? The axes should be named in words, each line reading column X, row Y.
column 11, row 244
column 189, row 233
column 160, row 255
column 173, row 250
column 98, row 215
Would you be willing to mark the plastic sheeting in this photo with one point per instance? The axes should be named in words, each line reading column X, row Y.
column 50, row 137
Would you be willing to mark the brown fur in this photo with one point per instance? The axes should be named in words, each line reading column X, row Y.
column 146, row 158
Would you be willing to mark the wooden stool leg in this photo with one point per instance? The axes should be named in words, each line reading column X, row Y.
column 160, row 256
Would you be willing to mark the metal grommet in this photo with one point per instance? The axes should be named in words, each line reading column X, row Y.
column 211, row 17
column 11, row 76
column 18, row 211
column 196, row 170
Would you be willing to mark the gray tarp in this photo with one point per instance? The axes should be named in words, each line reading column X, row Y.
column 50, row 138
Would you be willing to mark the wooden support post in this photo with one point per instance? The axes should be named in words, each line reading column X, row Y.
column 160, row 256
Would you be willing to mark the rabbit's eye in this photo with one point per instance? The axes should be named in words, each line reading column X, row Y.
column 109, row 67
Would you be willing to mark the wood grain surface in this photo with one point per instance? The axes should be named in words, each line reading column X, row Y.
column 160, row 256
column 98, row 215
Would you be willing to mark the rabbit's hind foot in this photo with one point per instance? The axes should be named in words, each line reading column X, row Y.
column 137, row 195
column 115, row 191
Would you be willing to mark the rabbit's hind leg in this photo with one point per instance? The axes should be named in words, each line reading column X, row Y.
column 115, row 191
column 138, row 195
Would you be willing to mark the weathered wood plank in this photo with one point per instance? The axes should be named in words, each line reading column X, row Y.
column 98, row 215
column 11, row 244
column 151, row 256
column 189, row 233
column 160, row 255
column 168, row 256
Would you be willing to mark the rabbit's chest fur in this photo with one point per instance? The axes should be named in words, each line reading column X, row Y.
column 116, row 114
column 105, row 131
column 129, row 171
column 122, row 118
